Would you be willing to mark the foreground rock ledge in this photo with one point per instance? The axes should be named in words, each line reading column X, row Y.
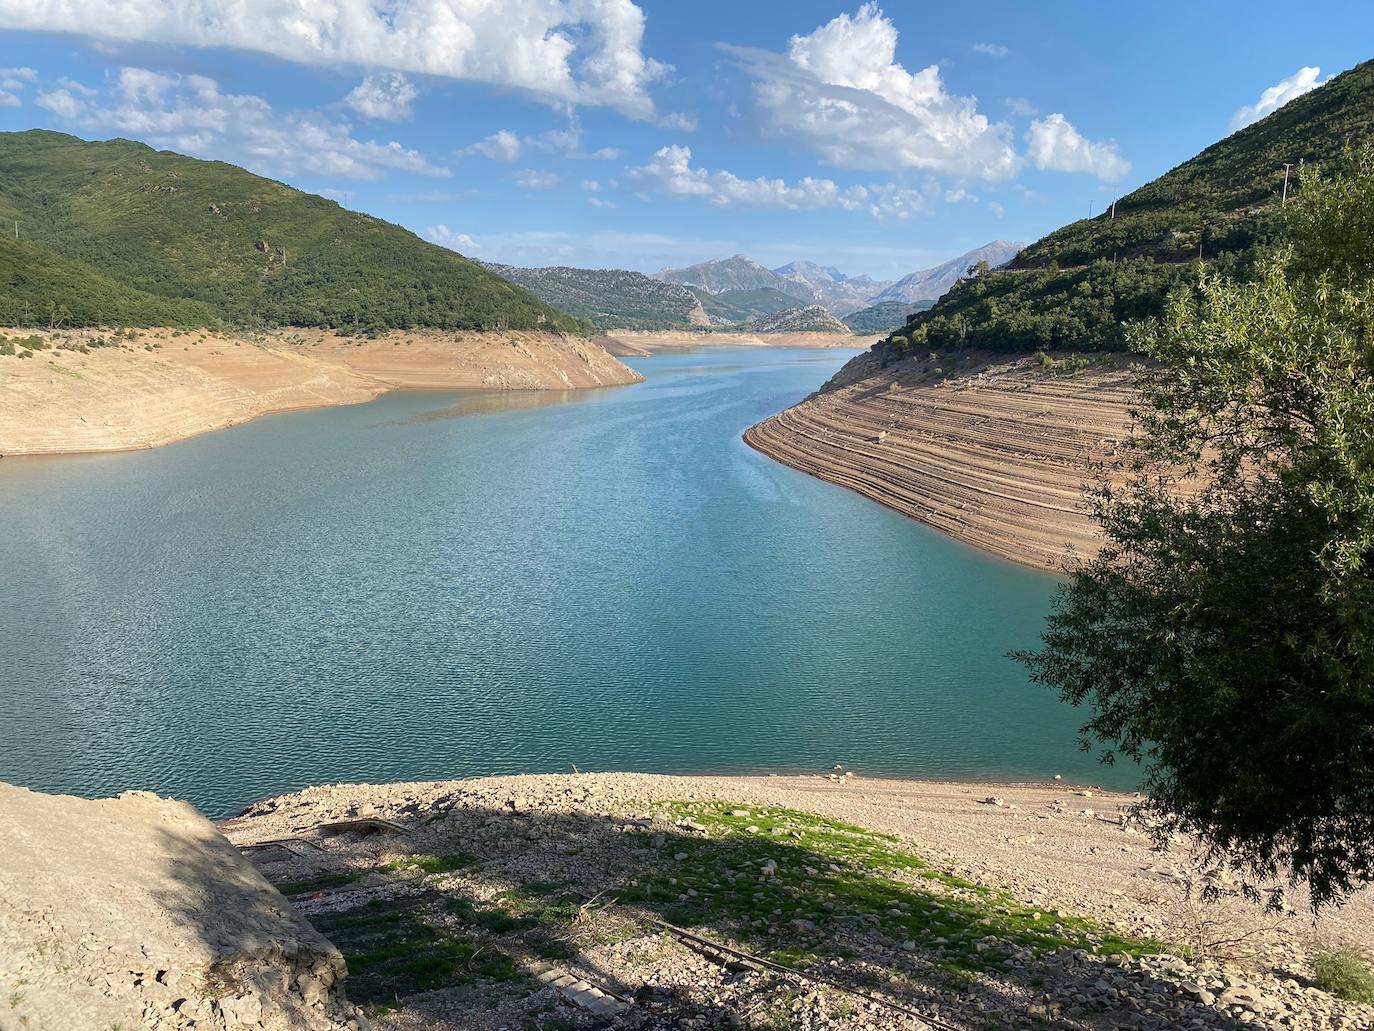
column 134, row 912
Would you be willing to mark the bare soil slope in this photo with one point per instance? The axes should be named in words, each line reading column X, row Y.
column 993, row 450
column 168, row 385
column 132, row 912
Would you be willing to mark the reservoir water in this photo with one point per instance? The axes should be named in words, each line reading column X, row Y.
column 445, row 585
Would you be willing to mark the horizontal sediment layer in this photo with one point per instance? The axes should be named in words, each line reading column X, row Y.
column 640, row 343
column 991, row 449
column 160, row 386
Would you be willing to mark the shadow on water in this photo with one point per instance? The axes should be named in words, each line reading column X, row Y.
column 469, row 903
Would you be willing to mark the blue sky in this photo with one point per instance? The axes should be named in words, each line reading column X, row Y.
column 640, row 135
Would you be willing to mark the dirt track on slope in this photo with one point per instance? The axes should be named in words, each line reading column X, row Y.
column 992, row 450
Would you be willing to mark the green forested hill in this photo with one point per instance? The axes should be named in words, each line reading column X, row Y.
column 1075, row 287
column 116, row 233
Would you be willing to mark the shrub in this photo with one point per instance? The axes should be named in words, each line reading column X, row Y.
column 1344, row 975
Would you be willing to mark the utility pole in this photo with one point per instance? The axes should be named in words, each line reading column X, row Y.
column 1286, row 167
column 1114, row 209
column 16, row 229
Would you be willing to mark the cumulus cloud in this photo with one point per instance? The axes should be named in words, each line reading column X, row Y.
column 670, row 173
column 16, row 78
column 1304, row 80
column 1055, row 144
column 505, row 145
column 840, row 92
column 990, row 49
column 531, row 179
column 575, row 51
column 60, row 102
column 453, row 240
column 188, row 113
column 384, row 95
column 499, row 146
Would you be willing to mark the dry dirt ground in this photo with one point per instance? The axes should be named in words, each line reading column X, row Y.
column 132, row 912
column 165, row 385
column 642, row 901
column 991, row 449
column 632, row 344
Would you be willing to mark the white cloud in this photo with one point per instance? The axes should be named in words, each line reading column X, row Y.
column 839, row 92
column 188, row 113
column 990, row 49
column 1021, row 107
column 531, row 179
column 60, row 102
column 384, row 95
column 679, row 122
column 670, row 172
column 499, row 146
column 576, row 51
column 9, row 99
column 454, row 241
column 600, row 202
column 591, row 185
column 16, row 78
column 1304, row 80
column 996, row 208
column 505, row 145
column 1055, row 144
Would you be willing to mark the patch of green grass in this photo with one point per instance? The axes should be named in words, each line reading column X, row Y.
column 1343, row 974
column 828, row 870
column 322, row 882
column 393, row 952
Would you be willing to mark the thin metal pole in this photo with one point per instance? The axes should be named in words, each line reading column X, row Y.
column 1286, row 167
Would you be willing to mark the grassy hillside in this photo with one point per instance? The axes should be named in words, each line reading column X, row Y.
column 609, row 298
column 1075, row 287
column 117, row 233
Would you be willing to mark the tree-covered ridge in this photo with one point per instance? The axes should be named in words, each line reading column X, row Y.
column 117, row 233
column 609, row 298
column 1075, row 288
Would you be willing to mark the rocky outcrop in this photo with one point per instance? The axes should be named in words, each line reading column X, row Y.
column 811, row 319
column 134, row 912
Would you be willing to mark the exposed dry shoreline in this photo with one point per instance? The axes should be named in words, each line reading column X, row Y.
column 1063, row 851
column 166, row 385
column 992, row 450
column 627, row 343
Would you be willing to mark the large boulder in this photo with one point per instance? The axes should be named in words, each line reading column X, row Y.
column 135, row 912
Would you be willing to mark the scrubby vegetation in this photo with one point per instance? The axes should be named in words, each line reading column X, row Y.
column 115, row 233
column 608, row 298
column 1225, row 634
column 1343, row 974
column 1077, row 287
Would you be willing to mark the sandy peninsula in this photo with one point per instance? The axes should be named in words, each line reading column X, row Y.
column 166, row 385
column 991, row 449
column 627, row 343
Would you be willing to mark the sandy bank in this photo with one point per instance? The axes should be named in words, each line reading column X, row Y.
column 634, row 344
column 993, row 450
column 165, row 386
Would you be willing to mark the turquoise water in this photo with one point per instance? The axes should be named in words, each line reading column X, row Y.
column 441, row 585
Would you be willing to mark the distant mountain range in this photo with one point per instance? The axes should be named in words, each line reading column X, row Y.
column 739, row 293
column 933, row 283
